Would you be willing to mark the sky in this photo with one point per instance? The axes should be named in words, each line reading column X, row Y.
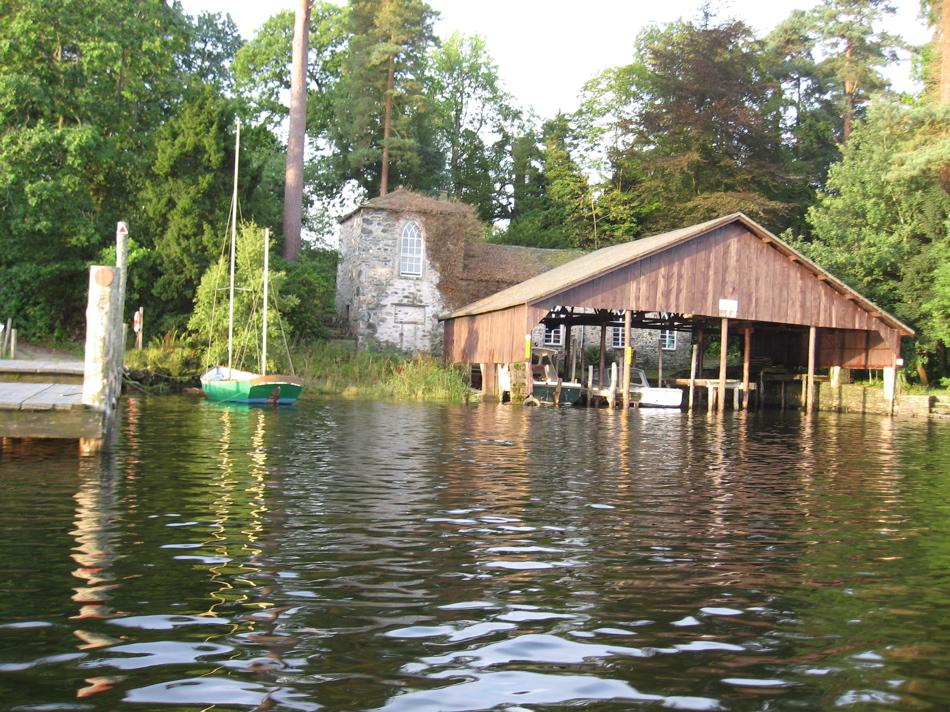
column 547, row 49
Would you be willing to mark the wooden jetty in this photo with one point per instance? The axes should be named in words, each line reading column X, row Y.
column 74, row 400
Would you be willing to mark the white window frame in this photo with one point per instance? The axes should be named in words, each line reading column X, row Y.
column 616, row 338
column 410, row 250
column 553, row 337
column 667, row 339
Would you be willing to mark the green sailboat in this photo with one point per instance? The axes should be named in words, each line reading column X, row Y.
column 228, row 384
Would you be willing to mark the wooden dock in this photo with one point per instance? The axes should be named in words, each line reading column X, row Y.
column 72, row 399
column 43, row 399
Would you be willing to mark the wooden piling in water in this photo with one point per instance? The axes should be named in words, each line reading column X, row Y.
column 103, row 353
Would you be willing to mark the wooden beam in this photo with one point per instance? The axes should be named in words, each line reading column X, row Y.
column 692, row 376
column 627, row 358
column 810, row 380
column 723, row 351
column 746, row 366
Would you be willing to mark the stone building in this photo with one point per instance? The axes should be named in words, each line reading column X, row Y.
column 406, row 259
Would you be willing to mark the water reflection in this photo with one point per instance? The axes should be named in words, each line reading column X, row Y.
column 347, row 556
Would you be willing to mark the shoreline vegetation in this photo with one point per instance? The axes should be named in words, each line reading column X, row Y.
column 333, row 368
column 327, row 367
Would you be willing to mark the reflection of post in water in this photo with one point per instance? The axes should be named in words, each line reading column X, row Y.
column 97, row 504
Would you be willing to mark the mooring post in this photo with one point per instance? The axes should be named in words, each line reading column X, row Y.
column 627, row 358
column 692, row 376
column 103, row 362
column 723, row 351
column 810, row 377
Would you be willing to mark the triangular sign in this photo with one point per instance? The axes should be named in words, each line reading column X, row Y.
column 123, row 230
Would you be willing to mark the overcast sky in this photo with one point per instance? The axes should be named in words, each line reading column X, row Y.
column 547, row 49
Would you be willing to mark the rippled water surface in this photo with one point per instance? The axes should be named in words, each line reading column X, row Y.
column 417, row 558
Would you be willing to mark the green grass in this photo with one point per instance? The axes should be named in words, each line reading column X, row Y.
column 338, row 369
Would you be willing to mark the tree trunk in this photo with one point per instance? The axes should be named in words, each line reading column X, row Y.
column 297, row 133
column 943, row 44
column 850, row 90
column 387, row 123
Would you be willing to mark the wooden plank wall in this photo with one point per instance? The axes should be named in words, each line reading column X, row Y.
column 495, row 337
column 729, row 263
column 854, row 349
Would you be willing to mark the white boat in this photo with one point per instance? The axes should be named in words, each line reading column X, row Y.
column 545, row 379
column 653, row 397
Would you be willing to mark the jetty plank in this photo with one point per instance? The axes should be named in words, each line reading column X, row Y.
column 75, row 423
column 22, row 371
column 40, row 396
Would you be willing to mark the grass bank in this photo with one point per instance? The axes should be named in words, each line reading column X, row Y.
column 328, row 368
column 332, row 368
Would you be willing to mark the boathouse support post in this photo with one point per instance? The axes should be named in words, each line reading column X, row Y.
column 723, row 351
column 565, row 370
column 746, row 366
column 890, row 387
column 603, row 351
column 612, row 392
column 627, row 359
column 692, row 375
column 490, row 382
column 810, row 378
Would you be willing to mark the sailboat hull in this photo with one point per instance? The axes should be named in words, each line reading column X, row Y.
column 232, row 386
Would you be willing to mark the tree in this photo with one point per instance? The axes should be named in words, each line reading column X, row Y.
column 185, row 201
column 296, row 133
column 696, row 127
column 262, row 68
column 843, row 30
column 382, row 112
column 214, row 43
column 210, row 318
column 811, row 118
column 553, row 206
column 84, row 86
column 883, row 225
column 475, row 117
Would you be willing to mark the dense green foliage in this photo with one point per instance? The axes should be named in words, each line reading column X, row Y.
column 210, row 318
column 127, row 111
column 883, row 224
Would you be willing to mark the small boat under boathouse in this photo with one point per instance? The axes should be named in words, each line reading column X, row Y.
column 728, row 276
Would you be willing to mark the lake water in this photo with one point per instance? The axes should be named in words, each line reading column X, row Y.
column 343, row 555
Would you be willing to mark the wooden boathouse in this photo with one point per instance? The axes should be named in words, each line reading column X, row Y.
column 719, row 278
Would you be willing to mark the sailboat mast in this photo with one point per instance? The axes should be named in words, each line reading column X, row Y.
column 234, row 215
column 264, row 337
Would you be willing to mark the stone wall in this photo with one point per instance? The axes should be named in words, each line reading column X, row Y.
column 644, row 342
column 852, row 398
column 380, row 306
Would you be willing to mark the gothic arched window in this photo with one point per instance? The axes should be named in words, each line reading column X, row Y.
column 410, row 250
